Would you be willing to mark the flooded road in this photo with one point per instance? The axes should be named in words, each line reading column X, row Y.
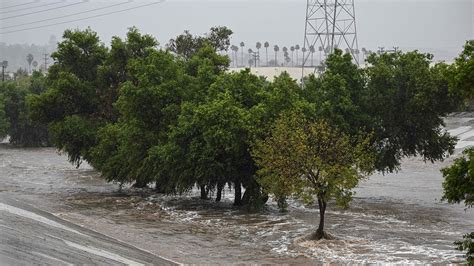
column 394, row 218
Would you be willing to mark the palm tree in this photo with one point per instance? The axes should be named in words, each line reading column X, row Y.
column 297, row 48
column 29, row 59
column 234, row 49
column 292, row 49
column 266, row 45
column 312, row 51
column 251, row 57
column 285, row 53
column 276, row 48
column 258, row 46
column 287, row 58
column 242, row 45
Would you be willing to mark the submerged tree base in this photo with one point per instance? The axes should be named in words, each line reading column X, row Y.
column 320, row 235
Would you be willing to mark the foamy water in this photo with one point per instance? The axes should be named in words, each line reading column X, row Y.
column 395, row 218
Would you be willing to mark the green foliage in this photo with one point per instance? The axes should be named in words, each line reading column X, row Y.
column 15, row 118
column 74, row 135
column 408, row 103
column 311, row 159
column 177, row 118
column 83, row 87
column 398, row 97
column 186, row 45
column 458, row 187
column 4, row 124
column 458, row 182
column 467, row 245
column 463, row 80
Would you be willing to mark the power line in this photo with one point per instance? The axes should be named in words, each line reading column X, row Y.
column 24, row 4
column 65, row 16
column 44, row 10
column 31, row 7
column 95, row 16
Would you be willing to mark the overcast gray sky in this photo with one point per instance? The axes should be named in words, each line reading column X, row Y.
column 423, row 24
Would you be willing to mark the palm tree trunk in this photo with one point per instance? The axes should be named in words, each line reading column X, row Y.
column 266, row 54
column 257, row 59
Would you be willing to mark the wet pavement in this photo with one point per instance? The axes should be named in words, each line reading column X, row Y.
column 31, row 236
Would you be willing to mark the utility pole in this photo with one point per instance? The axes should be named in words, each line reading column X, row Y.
column 45, row 62
column 4, row 65
column 330, row 24
column 256, row 57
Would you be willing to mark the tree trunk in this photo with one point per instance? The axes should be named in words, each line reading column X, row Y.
column 159, row 189
column 203, row 192
column 219, row 193
column 266, row 55
column 322, row 211
column 238, row 193
column 320, row 234
column 140, row 184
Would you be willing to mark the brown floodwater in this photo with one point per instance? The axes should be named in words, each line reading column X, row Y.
column 396, row 218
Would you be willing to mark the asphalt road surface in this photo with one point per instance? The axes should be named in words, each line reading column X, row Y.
column 31, row 236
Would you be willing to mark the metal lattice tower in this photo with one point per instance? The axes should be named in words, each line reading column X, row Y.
column 330, row 24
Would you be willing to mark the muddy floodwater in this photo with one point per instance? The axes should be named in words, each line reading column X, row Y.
column 395, row 218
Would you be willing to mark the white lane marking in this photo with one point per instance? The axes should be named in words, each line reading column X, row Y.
column 103, row 253
column 52, row 258
column 36, row 217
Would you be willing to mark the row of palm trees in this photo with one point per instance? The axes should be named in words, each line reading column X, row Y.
column 30, row 60
column 254, row 56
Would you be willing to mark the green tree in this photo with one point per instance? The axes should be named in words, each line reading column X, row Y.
column 4, row 125
column 398, row 97
column 212, row 137
column 458, row 187
column 463, row 80
column 29, row 59
column 458, row 182
column 187, row 45
column 83, row 87
column 18, row 124
column 148, row 105
column 266, row 45
column 311, row 159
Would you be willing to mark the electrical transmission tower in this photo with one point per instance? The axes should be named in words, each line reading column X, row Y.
column 330, row 24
